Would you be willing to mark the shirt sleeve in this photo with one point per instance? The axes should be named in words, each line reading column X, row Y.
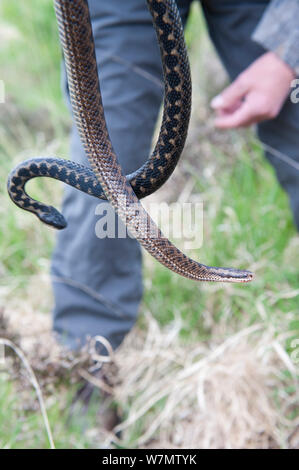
column 278, row 31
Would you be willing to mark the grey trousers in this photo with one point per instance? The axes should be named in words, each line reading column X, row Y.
column 97, row 283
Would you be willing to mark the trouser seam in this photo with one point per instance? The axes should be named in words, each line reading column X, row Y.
column 139, row 71
column 91, row 293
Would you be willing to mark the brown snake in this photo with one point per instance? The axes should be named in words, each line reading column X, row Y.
column 122, row 192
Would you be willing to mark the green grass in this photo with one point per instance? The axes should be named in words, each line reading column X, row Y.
column 33, row 121
column 25, row 429
column 31, row 56
column 247, row 219
column 258, row 230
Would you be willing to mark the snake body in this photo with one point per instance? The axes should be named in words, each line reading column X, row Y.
column 106, row 175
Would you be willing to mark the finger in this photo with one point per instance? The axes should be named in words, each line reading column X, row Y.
column 230, row 110
column 243, row 116
column 232, row 96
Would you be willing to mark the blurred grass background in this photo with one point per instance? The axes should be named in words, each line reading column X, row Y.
column 247, row 221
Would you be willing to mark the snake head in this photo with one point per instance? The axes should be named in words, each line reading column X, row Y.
column 53, row 217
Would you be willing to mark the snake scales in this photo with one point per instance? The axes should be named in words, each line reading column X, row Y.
column 106, row 179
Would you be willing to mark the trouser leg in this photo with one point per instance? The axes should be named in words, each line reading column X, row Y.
column 231, row 24
column 97, row 283
column 282, row 134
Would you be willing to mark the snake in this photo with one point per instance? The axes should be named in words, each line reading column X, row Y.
column 105, row 178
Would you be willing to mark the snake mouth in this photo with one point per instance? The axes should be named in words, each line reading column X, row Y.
column 239, row 276
column 230, row 275
column 248, row 277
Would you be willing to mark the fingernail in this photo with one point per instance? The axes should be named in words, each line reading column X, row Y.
column 217, row 102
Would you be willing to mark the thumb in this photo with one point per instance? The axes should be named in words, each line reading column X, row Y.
column 231, row 96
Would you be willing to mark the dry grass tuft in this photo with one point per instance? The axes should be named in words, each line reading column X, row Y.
column 231, row 393
column 54, row 365
column 219, row 395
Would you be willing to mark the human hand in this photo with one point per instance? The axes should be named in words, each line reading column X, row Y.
column 257, row 94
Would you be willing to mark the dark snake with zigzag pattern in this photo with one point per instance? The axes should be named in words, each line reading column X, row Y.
column 106, row 179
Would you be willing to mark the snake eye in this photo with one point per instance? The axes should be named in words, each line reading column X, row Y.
column 53, row 217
